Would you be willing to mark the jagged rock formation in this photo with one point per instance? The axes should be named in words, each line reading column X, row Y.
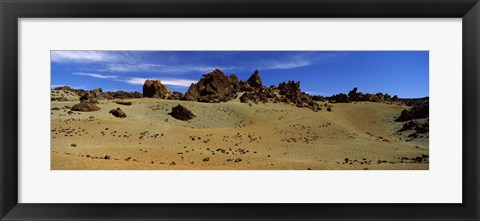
column 176, row 96
column 85, row 107
column 181, row 113
column 353, row 95
column 262, row 94
column 253, row 83
column 92, row 96
column 65, row 88
column 118, row 113
column 291, row 91
column 416, row 112
column 287, row 92
column 155, row 89
column 340, row 98
column 214, row 87
column 122, row 95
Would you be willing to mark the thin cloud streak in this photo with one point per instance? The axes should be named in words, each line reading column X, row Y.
column 82, row 56
column 140, row 81
column 161, row 68
column 95, row 75
column 171, row 82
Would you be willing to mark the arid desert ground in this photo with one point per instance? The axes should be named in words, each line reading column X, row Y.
column 232, row 135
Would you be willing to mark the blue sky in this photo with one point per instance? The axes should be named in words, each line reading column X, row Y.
column 402, row 73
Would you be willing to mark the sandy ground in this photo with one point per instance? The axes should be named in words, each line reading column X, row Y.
column 233, row 135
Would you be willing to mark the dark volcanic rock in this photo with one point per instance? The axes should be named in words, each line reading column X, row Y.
column 255, row 81
column 291, row 92
column 128, row 103
column 416, row 112
column 92, row 96
column 418, row 127
column 155, row 89
column 181, row 113
column 353, row 95
column 118, row 113
column 176, row 96
column 340, row 98
column 85, row 107
column 214, row 87
column 123, row 95
column 262, row 94
column 66, row 88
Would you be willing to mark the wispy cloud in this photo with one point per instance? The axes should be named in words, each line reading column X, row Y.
column 315, row 93
column 140, row 81
column 287, row 65
column 161, row 68
column 171, row 82
column 296, row 61
column 82, row 56
column 101, row 76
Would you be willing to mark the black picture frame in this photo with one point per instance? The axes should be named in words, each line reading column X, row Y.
column 12, row 10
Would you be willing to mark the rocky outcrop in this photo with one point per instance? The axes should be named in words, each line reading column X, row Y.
column 214, row 87
column 66, row 88
column 253, row 83
column 176, row 96
column 85, row 107
column 155, row 89
column 340, row 98
column 291, row 91
column 262, row 94
column 353, row 96
column 181, row 113
column 416, row 112
column 92, row 96
column 122, row 95
column 118, row 113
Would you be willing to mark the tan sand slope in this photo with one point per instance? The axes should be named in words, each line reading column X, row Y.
column 233, row 135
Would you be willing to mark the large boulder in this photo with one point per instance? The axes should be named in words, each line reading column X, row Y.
column 85, row 107
column 181, row 113
column 155, row 89
column 118, row 113
column 214, row 87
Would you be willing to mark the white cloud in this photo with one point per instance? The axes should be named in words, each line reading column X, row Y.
column 171, row 82
column 82, row 56
column 160, row 68
column 288, row 65
column 315, row 93
column 101, row 76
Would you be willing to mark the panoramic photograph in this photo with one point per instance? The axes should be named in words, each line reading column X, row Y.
column 239, row 110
